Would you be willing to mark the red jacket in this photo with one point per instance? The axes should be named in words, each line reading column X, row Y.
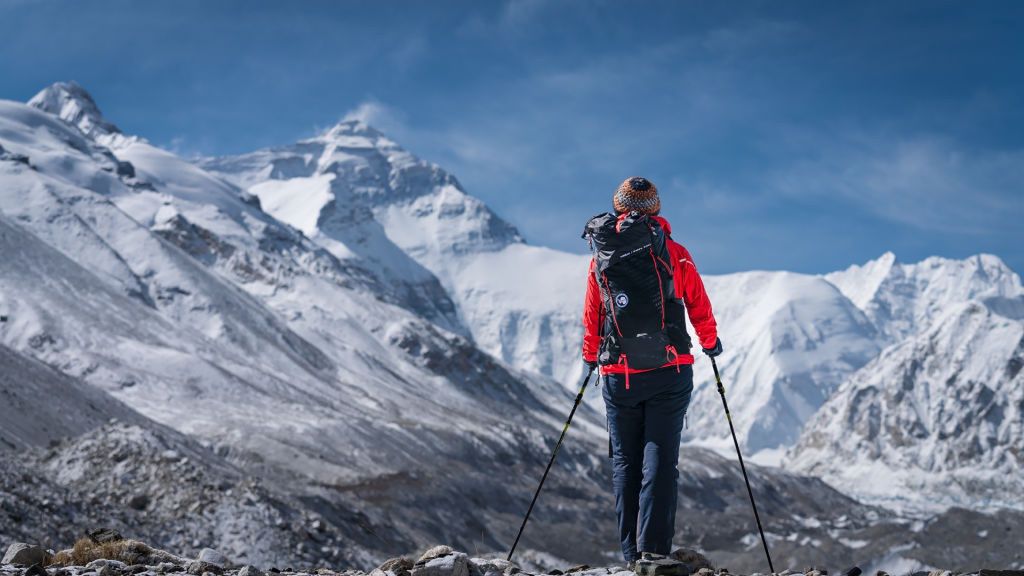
column 689, row 287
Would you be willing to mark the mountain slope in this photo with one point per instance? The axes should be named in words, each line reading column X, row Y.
column 41, row 405
column 935, row 420
column 249, row 337
column 791, row 340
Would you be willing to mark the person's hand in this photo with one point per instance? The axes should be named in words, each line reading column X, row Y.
column 590, row 364
column 716, row 350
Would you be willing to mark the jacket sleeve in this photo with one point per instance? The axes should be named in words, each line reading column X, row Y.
column 690, row 288
column 593, row 314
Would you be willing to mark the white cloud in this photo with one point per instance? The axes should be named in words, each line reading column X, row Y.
column 381, row 116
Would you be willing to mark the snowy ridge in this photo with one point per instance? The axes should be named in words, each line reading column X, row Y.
column 902, row 299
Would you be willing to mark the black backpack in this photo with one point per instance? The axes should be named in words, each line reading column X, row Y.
column 644, row 325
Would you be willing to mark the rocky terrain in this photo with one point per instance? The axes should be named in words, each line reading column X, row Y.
column 105, row 552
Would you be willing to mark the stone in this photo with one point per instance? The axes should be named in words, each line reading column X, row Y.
column 35, row 570
column 398, row 566
column 695, row 560
column 104, row 535
column 248, row 570
column 25, row 555
column 136, row 569
column 138, row 501
column 211, row 556
column 492, row 567
column 579, row 568
column 881, row 573
column 706, row 572
column 450, row 564
column 435, row 552
column 198, row 568
column 987, row 572
column 105, row 567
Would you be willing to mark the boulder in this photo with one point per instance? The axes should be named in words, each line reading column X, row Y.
column 398, row 566
column 435, row 552
column 198, row 568
column 492, row 566
column 695, row 560
column 35, row 570
column 113, row 565
column 450, row 564
column 211, row 556
column 25, row 555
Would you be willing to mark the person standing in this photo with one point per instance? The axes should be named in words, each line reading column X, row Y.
column 639, row 284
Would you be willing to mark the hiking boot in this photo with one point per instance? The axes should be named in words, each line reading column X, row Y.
column 657, row 565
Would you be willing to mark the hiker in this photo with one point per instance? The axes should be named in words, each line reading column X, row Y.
column 640, row 282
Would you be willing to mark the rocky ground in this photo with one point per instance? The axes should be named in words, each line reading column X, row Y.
column 105, row 552
column 171, row 492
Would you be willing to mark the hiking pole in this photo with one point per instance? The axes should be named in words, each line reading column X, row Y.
column 728, row 416
column 554, row 453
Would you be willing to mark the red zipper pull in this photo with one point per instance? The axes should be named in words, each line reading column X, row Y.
column 672, row 356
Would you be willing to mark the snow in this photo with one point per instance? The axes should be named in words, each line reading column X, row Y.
column 297, row 201
column 931, row 420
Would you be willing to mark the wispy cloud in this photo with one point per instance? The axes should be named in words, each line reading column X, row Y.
column 929, row 182
column 381, row 116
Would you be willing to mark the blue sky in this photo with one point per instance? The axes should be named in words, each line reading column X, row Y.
column 793, row 135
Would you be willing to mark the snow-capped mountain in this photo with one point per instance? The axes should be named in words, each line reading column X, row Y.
column 795, row 336
column 791, row 339
column 938, row 418
column 355, row 191
column 164, row 287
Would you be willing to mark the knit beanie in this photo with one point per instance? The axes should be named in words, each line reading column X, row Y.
column 637, row 194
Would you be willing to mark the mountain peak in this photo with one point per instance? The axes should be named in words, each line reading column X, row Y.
column 72, row 103
column 355, row 133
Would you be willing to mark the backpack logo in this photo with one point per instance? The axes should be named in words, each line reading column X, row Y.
column 621, row 300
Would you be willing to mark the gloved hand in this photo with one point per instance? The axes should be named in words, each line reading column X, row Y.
column 712, row 352
column 590, row 364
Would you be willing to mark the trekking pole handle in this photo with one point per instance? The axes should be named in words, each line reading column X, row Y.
column 718, row 380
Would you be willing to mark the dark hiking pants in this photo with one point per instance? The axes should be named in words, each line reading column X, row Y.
column 644, row 424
